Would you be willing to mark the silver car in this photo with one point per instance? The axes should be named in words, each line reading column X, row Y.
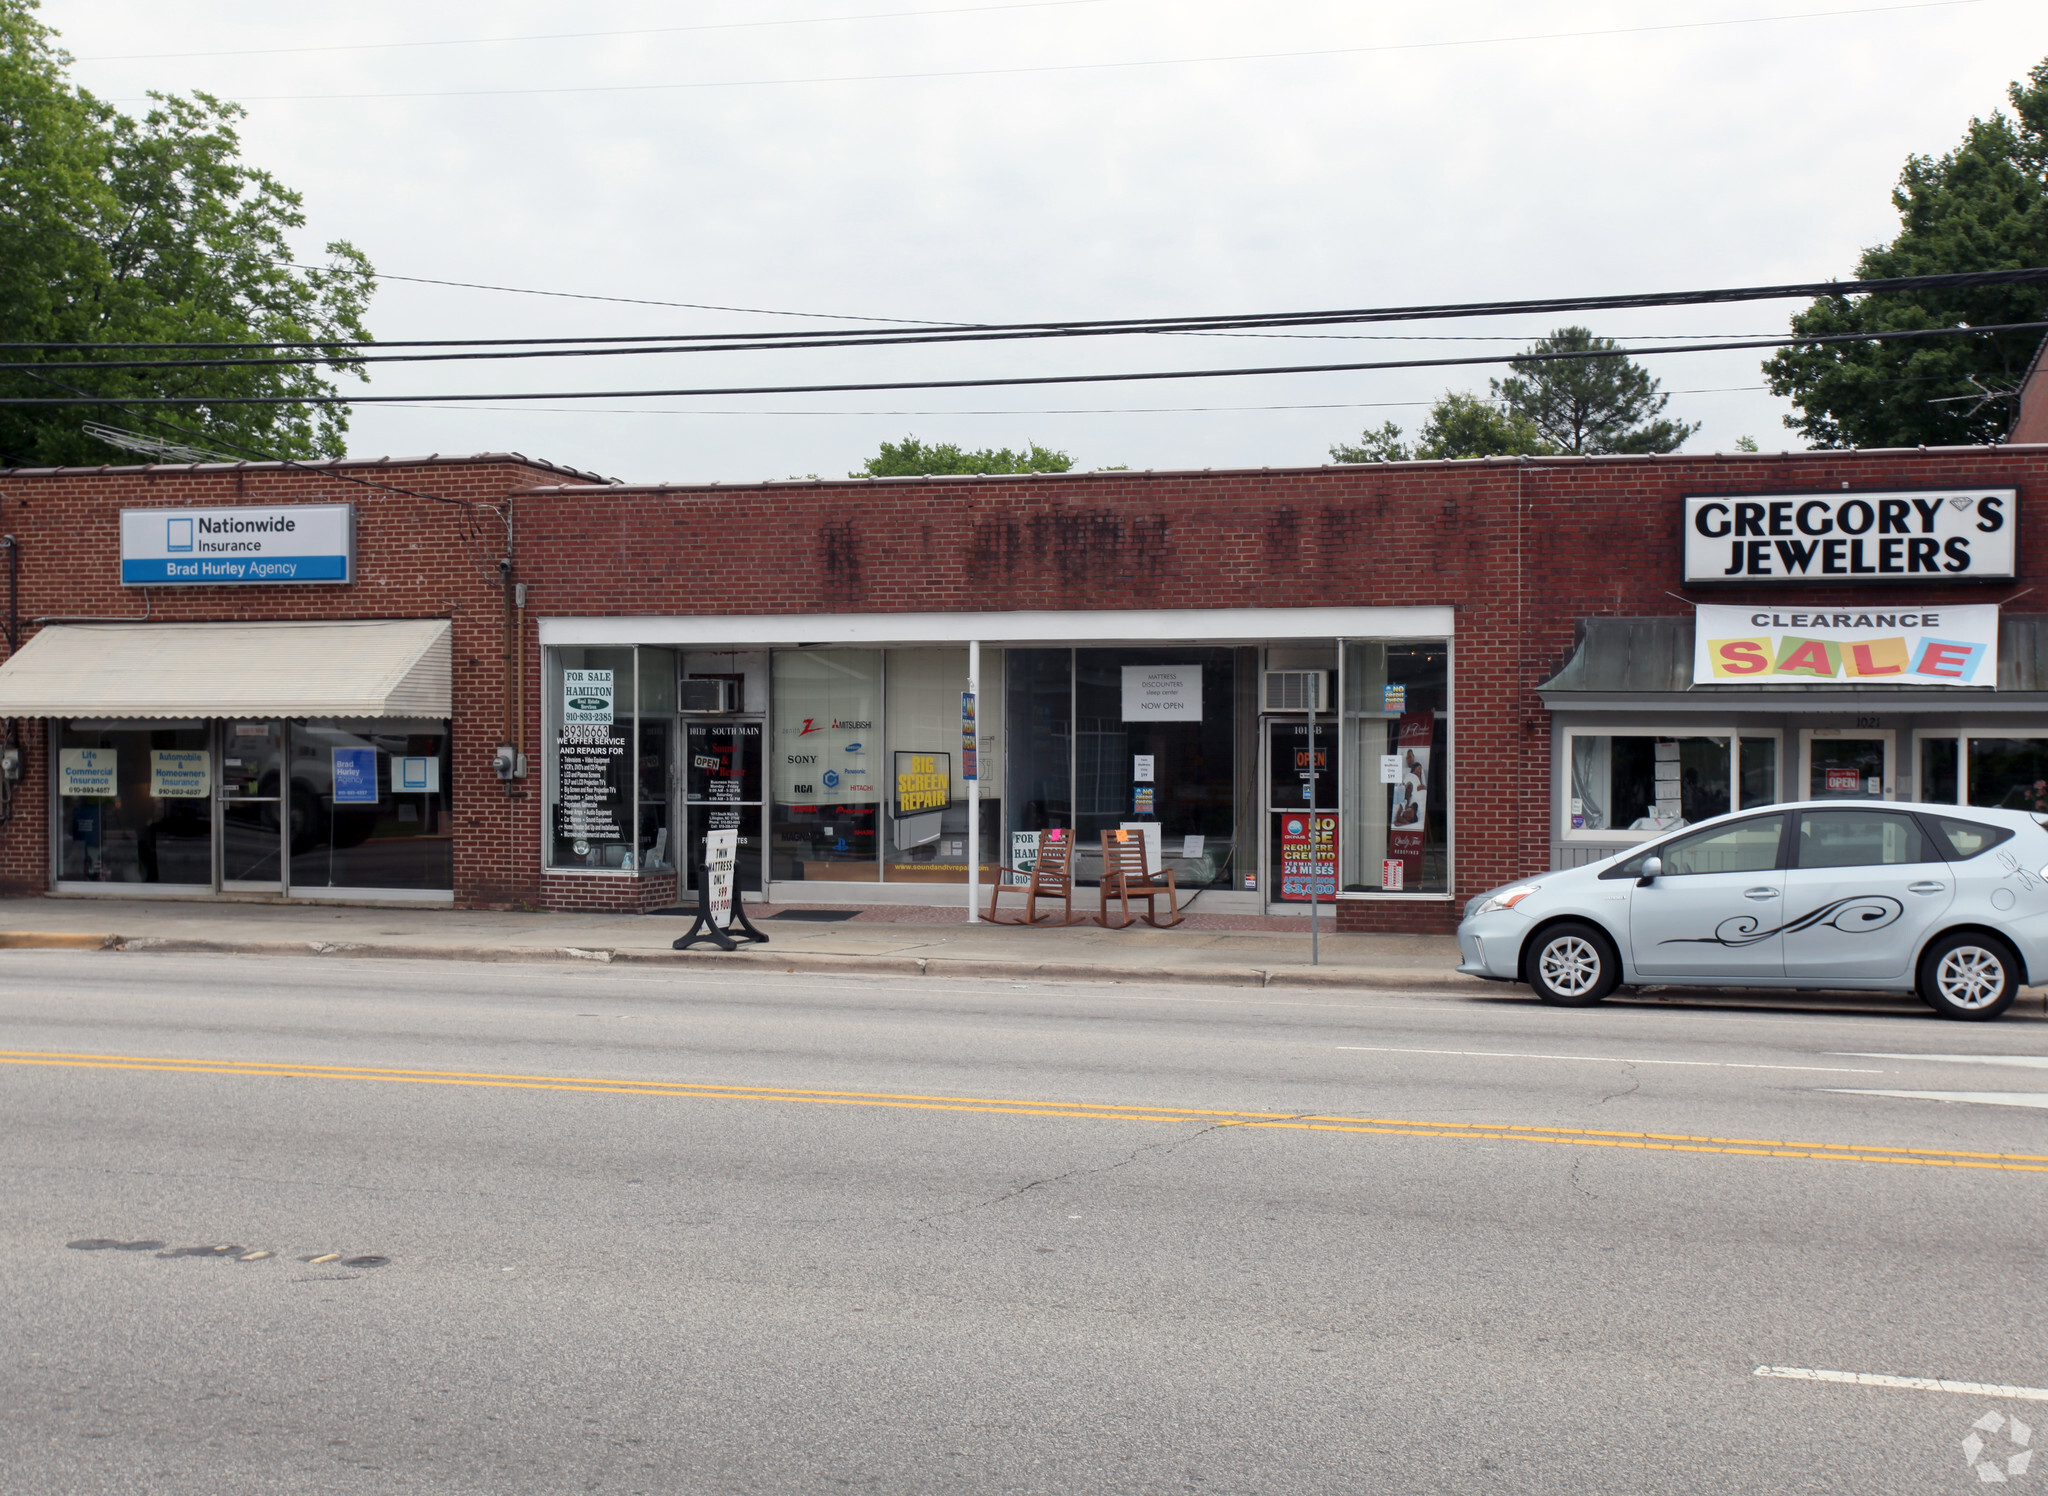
column 1950, row 902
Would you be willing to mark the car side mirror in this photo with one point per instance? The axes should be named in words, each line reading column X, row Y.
column 1653, row 869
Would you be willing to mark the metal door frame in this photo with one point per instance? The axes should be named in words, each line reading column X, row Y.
column 1889, row 736
column 218, row 740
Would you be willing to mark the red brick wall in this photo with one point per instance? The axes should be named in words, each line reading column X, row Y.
column 1521, row 550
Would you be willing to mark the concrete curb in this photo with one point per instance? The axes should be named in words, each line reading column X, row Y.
column 968, row 968
column 54, row 940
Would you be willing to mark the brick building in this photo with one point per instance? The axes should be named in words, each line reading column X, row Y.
column 490, row 681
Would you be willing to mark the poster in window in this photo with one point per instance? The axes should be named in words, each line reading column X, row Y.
column 1308, row 855
column 1408, row 819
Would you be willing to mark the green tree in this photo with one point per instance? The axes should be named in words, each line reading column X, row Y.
column 1381, row 445
column 114, row 229
column 1982, row 206
column 1462, row 425
column 1459, row 425
column 1581, row 406
column 911, row 458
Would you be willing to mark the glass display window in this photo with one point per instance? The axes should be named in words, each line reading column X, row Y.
column 590, row 770
column 1155, row 744
column 1394, row 833
column 827, row 767
column 368, row 803
column 1625, row 784
column 2001, row 772
column 924, row 806
column 135, row 803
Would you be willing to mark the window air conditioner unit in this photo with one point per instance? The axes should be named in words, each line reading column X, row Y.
column 711, row 697
column 1296, row 691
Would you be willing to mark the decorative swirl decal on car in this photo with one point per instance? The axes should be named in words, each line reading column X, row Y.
column 1858, row 914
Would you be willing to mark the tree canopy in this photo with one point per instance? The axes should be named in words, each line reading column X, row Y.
column 153, row 230
column 1981, row 206
column 1581, row 406
column 1604, row 403
column 911, row 458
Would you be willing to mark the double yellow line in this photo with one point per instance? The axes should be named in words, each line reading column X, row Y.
column 1578, row 1137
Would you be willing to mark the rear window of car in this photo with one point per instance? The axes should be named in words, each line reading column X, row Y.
column 1962, row 840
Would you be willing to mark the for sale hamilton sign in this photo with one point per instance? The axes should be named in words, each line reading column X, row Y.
column 1920, row 536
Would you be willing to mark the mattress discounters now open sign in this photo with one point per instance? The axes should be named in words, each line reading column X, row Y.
column 247, row 544
column 1912, row 647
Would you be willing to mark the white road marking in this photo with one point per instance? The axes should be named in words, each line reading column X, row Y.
column 1989, row 1098
column 1911, row 1384
column 2031, row 1061
column 1605, row 1059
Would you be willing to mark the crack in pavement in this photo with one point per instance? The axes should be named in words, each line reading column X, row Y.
column 1634, row 1084
column 1162, row 1149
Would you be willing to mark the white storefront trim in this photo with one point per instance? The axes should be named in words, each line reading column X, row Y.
column 1122, row 625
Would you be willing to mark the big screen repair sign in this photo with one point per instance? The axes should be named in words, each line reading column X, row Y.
column 1933, row 535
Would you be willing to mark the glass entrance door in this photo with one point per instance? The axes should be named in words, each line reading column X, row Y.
column 1301, row 847
column 1846, row 765
column 252, row 803
column 723, row 790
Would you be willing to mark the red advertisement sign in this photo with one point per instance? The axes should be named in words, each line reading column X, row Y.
column 1303, row 866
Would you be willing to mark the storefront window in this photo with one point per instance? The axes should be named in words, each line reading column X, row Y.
column 2009, row 773
column 1155, row 745
column 1394, row 831
column 590, row 779
column 1759, row 772
column 1939, row 759
column 924, row 811
column 656, row 771
column 1624, row 783
column 1038, row 701
column 829, row 766
column 135, row 803
column 368, row 805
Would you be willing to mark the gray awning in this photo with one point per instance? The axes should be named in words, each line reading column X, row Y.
column 372, row 668
column 1653, row 657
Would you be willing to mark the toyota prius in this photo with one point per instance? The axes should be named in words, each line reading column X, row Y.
column 1948, row 902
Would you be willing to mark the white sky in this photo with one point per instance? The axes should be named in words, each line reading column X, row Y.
column 1441, row 167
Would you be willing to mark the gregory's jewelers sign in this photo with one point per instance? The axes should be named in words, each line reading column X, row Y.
column 1951, row 535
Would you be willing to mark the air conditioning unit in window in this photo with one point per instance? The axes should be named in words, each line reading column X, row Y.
column 708, row 696
column 1296, row 691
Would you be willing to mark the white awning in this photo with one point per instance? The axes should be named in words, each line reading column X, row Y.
column 385, row 668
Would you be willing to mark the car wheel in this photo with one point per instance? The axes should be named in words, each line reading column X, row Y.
column 1968, row 975
column 1573, row 965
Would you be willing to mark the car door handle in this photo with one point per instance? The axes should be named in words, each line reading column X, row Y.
column 1926, row 888
column 1759, row 893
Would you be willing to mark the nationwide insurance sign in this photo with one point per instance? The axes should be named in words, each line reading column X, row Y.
column 247, row 544
column 1934, row 646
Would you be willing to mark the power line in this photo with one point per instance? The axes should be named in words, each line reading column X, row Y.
column 979, row 332
column 1083, row 67
column 1029, row 379
column 570, row 36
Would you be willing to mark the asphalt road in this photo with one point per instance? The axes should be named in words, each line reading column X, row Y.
column 616, row 1230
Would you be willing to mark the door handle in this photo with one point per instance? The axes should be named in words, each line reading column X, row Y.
column 1926, row 887
column 1759, row 893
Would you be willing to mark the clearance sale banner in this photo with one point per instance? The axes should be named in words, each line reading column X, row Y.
column 1934, row 646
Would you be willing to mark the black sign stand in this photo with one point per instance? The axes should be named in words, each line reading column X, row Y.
column 704, row 928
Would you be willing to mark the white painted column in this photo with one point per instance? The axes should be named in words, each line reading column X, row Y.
column 974, row 789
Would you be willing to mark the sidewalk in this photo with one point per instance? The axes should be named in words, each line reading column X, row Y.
column 1212, row 950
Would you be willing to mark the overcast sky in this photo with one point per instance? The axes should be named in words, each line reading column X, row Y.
column 959, row 161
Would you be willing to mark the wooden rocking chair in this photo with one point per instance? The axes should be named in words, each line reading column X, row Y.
column 1052, row 877
column 1126, row 873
